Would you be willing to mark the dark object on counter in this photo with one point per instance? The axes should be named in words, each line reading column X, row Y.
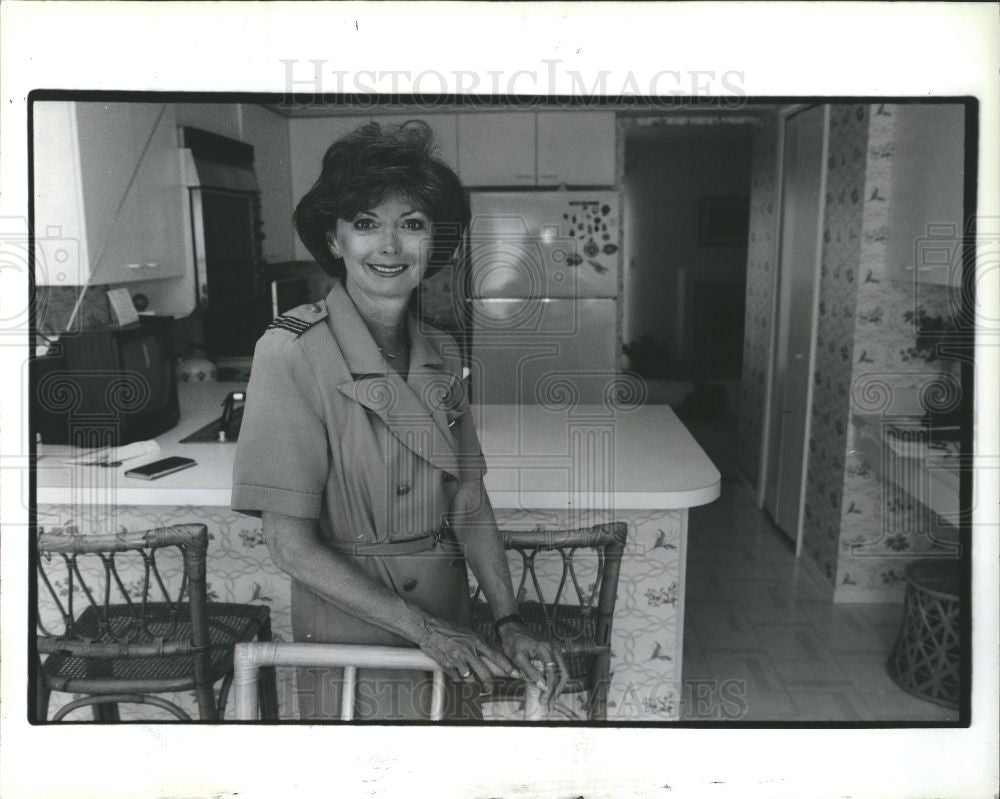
column 224, row 429
column 577, row 620
column 129, row 651
column 926, row 660
column 106, row 386
column 161, row 468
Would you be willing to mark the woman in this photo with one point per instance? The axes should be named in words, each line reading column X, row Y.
column 358, row 448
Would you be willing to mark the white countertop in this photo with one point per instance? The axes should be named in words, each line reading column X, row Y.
column 931, row 478
column 587, row 457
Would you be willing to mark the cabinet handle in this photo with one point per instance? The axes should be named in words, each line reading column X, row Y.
column 553, row 176
column 525, row 177
column 151, row 265
column 133, row 266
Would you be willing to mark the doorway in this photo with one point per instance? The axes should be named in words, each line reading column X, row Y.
column 686, row 218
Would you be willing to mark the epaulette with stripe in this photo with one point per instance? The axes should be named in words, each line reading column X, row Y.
column 298, row 320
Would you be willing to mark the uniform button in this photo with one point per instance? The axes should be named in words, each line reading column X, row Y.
column 314, row 308
column 409, row 585
column 402, row 489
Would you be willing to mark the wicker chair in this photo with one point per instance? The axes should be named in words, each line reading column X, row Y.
column 582, row 629
column 137, row 622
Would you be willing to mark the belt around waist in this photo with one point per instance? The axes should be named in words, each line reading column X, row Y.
column 409, row 546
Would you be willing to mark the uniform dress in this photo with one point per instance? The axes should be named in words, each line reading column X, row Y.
column 330, row 433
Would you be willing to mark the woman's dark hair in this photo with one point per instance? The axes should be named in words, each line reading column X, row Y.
column 371, row 163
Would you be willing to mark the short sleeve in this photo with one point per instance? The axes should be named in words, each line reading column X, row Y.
column 282, row 454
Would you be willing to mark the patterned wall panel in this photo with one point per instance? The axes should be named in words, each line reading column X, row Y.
column 761, row 262
column 882, row 528
column 844, row 205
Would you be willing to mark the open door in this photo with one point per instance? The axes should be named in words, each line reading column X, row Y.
column 802, row 187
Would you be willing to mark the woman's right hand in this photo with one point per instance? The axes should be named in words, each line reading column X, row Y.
column 462, row 654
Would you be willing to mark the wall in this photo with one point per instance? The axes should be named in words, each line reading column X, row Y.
column 859, row 533
column 882, row 529
column 762, row 252
column 667, row 172
column 844, row 217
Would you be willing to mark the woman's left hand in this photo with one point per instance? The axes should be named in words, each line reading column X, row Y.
column 525, row 650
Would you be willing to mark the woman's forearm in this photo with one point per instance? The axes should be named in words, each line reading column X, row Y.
column 476, row 529
column 297, row 550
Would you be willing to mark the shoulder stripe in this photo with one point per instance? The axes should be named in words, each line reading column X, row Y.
column 295, row 326
column 289, row 322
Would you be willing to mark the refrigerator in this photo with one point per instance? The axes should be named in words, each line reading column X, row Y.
column 543, row 296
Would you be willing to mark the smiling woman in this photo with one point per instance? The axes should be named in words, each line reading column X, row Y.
column 358, row 448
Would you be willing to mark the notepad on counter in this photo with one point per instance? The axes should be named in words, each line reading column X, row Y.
column 114, row 455
column 918, row 443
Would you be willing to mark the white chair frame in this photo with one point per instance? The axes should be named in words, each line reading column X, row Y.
column 250, row 657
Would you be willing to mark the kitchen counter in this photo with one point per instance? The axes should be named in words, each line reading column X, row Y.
column 548, row 468
column 929, row 476
column 646, row 460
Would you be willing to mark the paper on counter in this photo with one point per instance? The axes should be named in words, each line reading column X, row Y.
column 98, row 457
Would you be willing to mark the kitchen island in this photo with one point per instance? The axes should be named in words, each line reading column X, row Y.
column 551, row 466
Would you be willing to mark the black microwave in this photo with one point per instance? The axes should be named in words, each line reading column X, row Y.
column 106, row 386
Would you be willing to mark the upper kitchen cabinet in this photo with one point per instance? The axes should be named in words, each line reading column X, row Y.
column 550, row 148
column 576, row 148
column 926, row 213
column 496, row 149
column 108, row 193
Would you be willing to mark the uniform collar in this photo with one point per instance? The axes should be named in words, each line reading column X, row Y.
column 415, row 410
column 356, row 342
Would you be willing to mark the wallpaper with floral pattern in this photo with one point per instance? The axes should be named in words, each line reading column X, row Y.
column 761, row 259
column 859, row 531
column 648, row 622
column 839, row 262
column 882, row 527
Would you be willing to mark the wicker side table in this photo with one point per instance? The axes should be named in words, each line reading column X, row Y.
column 926, row 659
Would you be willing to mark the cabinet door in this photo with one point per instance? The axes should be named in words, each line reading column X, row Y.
column 109, row 155
column 576, row 148
column 496, row 149
column 926, row 206
column 801, row 230
column 138, row 213
column 160, row 194
column 60, row 234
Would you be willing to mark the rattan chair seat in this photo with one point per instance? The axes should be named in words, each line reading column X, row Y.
column 111, row 647
column 227, row 624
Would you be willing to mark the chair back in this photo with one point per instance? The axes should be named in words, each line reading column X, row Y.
column 118, row 595
column 575, row 615
column 566, row 592
column 249, row 658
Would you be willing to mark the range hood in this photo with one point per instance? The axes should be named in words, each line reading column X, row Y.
column 217, row 162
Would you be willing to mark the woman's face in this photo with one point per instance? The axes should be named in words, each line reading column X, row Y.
column 385, row 248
